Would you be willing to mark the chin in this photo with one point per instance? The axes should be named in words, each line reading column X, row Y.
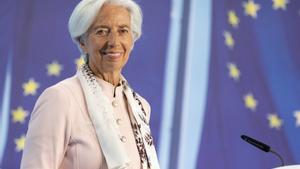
column 114, row 67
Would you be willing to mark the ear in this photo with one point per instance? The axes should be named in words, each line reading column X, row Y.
column 82, row 45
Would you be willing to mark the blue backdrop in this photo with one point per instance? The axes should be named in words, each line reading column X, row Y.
column 211, row 70
column 253, row 84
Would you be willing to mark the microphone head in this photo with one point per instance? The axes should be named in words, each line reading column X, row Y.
column 262, row 146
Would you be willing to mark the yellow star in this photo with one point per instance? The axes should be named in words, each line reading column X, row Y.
column 234, row 72
column 251, row 8
column 79, row 62
column 297, row 116
column 54, row 68
column 229, row 41
column 30, row 87
column 233, row 19
column 280, row 4
column 250, row 102
column 19, row 115
column 20, row 143
column 274, row 121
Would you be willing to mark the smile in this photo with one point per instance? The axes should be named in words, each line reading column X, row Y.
column 112, row 55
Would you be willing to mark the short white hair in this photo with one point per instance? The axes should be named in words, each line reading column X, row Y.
column 85, row 13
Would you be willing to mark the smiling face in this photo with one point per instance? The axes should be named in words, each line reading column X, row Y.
column 109, row 40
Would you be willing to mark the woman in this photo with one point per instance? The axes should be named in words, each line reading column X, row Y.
column 94, row 119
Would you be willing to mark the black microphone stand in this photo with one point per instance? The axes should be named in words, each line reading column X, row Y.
column 262, row 146
column 278, row 155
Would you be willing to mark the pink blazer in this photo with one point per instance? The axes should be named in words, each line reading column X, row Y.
column 61, row 135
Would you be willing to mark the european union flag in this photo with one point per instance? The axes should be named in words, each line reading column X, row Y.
column 254, row 84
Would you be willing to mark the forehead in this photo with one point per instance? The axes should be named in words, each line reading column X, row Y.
column 112, row 15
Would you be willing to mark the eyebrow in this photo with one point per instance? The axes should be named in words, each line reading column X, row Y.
column 104, row 26
column 100, row 26
column 124, row 26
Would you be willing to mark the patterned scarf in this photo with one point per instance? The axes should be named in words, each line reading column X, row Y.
column 107, row 130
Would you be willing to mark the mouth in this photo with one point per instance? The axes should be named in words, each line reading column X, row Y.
column 112, row 55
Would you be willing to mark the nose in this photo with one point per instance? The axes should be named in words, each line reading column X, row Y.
column 113, row 39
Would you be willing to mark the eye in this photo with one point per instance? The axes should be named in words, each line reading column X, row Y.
column 123, row 31
column 102, row 32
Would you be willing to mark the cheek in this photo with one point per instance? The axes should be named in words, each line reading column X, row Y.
column 94, row 52
column 97, row 44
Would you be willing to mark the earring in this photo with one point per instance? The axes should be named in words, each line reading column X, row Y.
column 86, row 58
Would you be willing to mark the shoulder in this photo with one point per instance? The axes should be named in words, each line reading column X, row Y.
column 63, row 89
column 70, row 85
column 59, row 96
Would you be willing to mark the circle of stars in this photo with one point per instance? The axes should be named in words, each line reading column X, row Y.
column 251, row 9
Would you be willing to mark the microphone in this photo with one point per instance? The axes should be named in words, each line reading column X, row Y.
column 262, row 146
column 256, row 143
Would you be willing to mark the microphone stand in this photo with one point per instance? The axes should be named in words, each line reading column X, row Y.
column 277, row 155
column 262, row 146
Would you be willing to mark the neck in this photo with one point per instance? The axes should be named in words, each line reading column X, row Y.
column 112, row 77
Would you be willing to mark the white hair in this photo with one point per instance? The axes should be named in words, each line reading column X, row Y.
column 85, row 13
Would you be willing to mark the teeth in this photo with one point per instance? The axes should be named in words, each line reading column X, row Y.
column 113, row 54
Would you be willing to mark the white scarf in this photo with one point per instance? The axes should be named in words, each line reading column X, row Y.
column 107, row 130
